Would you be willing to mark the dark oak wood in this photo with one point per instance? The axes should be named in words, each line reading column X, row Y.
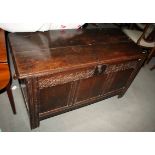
column 60, row 72
column 4, row 71
column 42, row 52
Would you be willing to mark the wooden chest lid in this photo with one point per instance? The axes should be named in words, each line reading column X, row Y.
column 54, row 51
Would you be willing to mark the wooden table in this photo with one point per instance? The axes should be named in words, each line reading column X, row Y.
column 4, row 70
column 61, row 71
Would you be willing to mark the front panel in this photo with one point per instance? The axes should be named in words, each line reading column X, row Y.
column 54, row 98
column 120, row 79
column 90, row 88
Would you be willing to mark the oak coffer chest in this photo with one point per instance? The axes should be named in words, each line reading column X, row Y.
column 63, row 70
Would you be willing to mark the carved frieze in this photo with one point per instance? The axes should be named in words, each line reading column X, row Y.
column 121, row 67
column 50, row 81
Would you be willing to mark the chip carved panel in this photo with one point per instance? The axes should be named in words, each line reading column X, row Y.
column 121, row 67
column 53, row 80
column 50, row 81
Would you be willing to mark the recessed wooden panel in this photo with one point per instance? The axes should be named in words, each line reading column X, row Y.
column 120, row 79
column 53, row 98
column 89, row 88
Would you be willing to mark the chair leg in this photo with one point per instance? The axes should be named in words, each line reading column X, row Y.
column 10, row 96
